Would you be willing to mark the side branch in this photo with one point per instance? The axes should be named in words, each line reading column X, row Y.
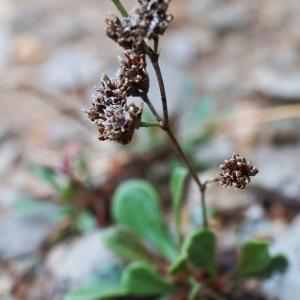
column 154, row 60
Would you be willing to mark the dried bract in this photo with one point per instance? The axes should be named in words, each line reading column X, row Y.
column 133, row 73
column 236, row 172
column 149, row 20
column 152, row 16
column 116, row 121
column 124, row 33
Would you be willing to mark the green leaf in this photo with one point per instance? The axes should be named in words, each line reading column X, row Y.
column 178, row 178
column 279, row 263
column 178, row 265
column 85, row 222
column 127, row 245
column 194, row 289
column 47, row 174
column 26, row 204
column 200, row 112
column 200, row 248
column 254, row 259
column 100, row 290
column 136, row 205
column 139, row 279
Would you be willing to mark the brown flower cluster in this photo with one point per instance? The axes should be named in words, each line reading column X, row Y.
column 149, row 20
column 133, row 74
column 236, row 172
column 115, row 119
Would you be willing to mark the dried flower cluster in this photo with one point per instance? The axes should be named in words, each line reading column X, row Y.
column 133, row 74
column 149, row 20
column 116, row 121
column 236, row 172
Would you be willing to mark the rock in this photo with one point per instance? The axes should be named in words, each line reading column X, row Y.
column 261, row 228
column 76, row 261
column 230, row 16
column 28, row 49
column 8, row 196
column 5, row 45
column 63, row 132
column 184, row 45
column 23, row 232
column 10, row 152
column 69, row 68
column 7, row 11
column 278, row 85
column 6, row 282
column 278, row 169
column 215, row 151
column 5, row 129
column 286, row 286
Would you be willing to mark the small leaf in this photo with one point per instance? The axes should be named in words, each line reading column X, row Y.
column 178, row 179
column 136, row 205
column 26, row 204
column 139, row 279
column 200, row 112
column 279, row 263
column 47, row 174
column 97, row 291
column 127, row 245
column 178, row 265
column 254, row 259
column 201, row 250
column 85, row 222
column 194, row 289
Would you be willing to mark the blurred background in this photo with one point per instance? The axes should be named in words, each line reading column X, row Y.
column 232, row 72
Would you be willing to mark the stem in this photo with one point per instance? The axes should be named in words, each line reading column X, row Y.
column 201, row 186
column 154, row 60
column 152, row 108
column 156, row 45
column 120, row 8
column 150, row 124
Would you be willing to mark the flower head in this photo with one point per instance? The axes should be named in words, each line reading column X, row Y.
column 133, row 73
column 124, row 33
column 116, row 121
column 236, row 172
column 148, row 20
column 152, row 16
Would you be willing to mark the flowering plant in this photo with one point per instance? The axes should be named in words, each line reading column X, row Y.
column 163, row 264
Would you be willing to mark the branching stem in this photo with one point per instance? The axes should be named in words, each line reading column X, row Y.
column 183, row 156
column 150, row 124
column 164, row 123
column 120, row 8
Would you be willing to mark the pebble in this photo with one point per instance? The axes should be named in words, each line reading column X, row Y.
column 80, row 259
column 16, row 229
column 69, row 68
column 279, row 86
column 278, row 169
column 286, row 286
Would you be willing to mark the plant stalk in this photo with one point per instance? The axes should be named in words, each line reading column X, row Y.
column 164, row 123
column 154, row 57
column 185, row 159
column 154, row 60
column 150, row 124
column 120, row 8
column 152, row 108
